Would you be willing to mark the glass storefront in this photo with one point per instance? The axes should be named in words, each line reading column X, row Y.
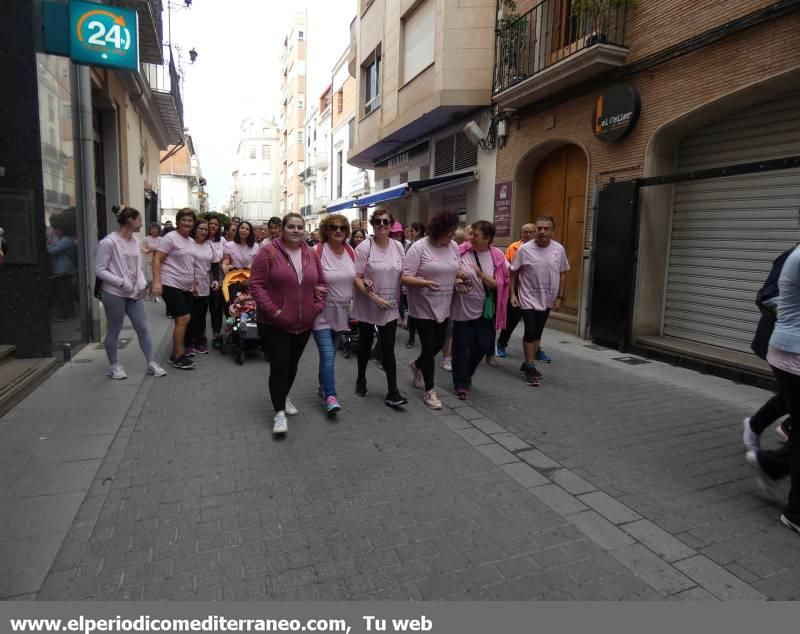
column 56, row 78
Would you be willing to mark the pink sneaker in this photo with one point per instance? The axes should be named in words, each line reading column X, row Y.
column 416, row 376
column 190, row 352
column 202, row 349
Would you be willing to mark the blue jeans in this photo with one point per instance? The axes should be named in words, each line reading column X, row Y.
column 328, row 342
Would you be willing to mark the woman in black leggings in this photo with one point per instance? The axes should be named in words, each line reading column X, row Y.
column 216, row 305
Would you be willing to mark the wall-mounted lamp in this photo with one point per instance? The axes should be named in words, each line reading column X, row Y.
column 192, row 53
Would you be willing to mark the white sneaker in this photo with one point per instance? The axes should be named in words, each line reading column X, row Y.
column 155, row 369
column 447, row 364
column 290, row 408
column 116, row 371
column 774, row 490
column 432, row 400
column 749, row 437
column 280, row 425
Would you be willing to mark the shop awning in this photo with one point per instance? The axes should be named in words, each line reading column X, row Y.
column 401, row 191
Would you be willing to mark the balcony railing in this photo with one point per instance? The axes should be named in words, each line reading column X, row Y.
column 150, row 27
column 307, row 210
column 551, row 32
column 309, row 175
column 166, row 86
column 321, row 161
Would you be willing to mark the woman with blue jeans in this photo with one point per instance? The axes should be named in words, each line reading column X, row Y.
column 339, row 270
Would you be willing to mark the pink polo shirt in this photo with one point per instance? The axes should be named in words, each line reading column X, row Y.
column 539, row 270
column 383, row 268
column 437, row 264
column 340, row 271
column 177, row 268
column 240, row 254
column 468, row 306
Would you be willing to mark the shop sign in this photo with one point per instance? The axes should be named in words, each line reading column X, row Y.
column 616, row 113
column 103, row 35
column 502, row 210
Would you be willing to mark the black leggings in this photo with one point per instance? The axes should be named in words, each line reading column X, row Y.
column 534, row 324
column 513, row 317
column 386, row 335
column 196, row 332
column 216, row 305
column 285, row 350
column 789, row 385
column 431, row 337
column 769, row 413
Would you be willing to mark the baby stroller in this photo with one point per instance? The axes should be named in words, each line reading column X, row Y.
column 241, row 334
column 349, row 341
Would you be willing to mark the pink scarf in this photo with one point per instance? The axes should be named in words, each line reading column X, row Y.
column 502, row 279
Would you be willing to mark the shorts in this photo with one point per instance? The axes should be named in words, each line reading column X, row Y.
column 534, row 321
column 179, row 303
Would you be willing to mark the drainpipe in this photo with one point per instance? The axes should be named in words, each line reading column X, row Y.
column 88, row 202
column 588, row 273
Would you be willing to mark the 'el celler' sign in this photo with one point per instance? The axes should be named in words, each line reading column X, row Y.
column 616, row 113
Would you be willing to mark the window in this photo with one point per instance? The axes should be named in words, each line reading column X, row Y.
column 266, row 154
column 371, row 72
column 419, row 30
column 51, row 108
column 301, row 103
column 339, row 170
column 264, row 131
column 252, row 151
column 340, row 101
column 300, row 35
column 300, row 136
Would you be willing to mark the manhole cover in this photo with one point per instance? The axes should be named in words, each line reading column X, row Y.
column 631, row 360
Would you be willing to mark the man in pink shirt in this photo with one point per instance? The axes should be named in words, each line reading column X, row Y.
column 538, row 279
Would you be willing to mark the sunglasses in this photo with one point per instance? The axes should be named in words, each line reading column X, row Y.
column 295, row 227
column 342, row 228
column 381, row 221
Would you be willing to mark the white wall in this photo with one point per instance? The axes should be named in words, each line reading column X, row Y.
column 257, row 179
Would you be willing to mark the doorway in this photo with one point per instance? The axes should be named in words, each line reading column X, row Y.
column 559, row 190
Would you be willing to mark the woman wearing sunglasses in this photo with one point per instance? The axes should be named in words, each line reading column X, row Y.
column 337, row 259
column 287, row 284
column 379, row 262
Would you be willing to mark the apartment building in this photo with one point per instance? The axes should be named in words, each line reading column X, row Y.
column 293, row 116
column 423, row 71
column 661, row 137
column 256, row 195
column 182, row 183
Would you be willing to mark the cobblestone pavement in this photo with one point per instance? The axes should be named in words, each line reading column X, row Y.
column 608, row 482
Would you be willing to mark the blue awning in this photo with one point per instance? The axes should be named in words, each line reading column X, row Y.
column 398, row 191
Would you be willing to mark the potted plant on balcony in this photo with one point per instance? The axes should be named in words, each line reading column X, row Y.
column 511, row 41
column 596, row 15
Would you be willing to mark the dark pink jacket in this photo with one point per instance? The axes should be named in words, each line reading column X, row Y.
column 274, row 286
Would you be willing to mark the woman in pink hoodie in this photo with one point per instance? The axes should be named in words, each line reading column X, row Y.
column 118, row 264
column 474, row 318
column 288, row 285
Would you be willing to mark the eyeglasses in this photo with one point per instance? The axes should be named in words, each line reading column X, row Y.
column 342, row 228
column 295, row 227
column 381, row 221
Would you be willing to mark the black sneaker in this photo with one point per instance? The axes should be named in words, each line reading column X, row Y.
column 361, row 387
column 532, row 376
column 182, row 363
column 395, row 399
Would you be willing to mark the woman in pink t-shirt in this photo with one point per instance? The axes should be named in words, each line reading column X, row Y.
column 173, row 278
column 206, row 281
column 379, row 263
column 239, row 252
column 149, row 248
column 429, row 272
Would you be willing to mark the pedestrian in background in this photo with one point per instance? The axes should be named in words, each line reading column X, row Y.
column 216, row 304
column 205, row 281
column 240, row 251
column 284, row 284
column 414, row 232
column 173, row 279
column 274, row 228
column 357, row 237
column 149, row 248
column 447, row 350
column 514, row 313
column 118, row 264
column 430, row 270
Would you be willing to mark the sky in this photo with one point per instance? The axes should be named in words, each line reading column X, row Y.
column 237, row 72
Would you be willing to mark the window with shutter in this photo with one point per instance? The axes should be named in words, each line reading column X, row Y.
column 419, row 33
column 454, row 152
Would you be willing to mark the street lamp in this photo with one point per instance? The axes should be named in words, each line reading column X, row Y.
column 192, row 53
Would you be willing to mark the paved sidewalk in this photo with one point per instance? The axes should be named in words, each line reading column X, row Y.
column 610, row 481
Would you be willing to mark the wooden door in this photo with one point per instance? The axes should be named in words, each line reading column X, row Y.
column 559, row 190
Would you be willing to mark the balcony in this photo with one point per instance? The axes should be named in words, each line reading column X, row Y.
column 307, row 210
column 321, row 161
column 150, row 28
column 555, row 45
column 165, row 84
column 321, row 204
column 309, row 175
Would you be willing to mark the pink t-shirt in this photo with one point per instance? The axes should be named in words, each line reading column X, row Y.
column 240, row 254
column 469, row 305
column 203, row 257
column 219, row 250
column 177, row 268
column 120, row 259
column 383, row 268
column 438, row 264
column 540, row 268
column 296, row 255
column 150, row 244
column 340, row 271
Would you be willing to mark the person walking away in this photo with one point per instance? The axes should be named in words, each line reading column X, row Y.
column 338, row 268
column 514, row 314
column 430, row 270
column 216, row 304
column 538, row 277
column 379, row 263
column 118, row 264
column 284, row 283
column 479, row 304
column 149, row 247
column 205, row 282
column 173, row 278
column 776, row 407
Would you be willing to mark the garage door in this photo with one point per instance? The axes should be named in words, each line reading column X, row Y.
column 727, row 231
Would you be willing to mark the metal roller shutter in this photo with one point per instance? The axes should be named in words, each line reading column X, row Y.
column 727, row 231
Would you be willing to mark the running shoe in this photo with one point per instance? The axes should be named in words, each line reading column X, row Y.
column 155, row 369
column 279, row 424
column 749, row 437
column 462, row 394
column 332, row 405
column 291, row 410
column 361, row 387
column 447, row 364
column 116, row 371
column 182, row 363
column 190, row 351
column 202, row 349
column 395, row 399
column 532, row 376
column 542, row 356
column 416, row 376
column 775, row 490
column 432, row 400
column 501, row 352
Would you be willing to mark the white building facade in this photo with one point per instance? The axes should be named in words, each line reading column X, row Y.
column 256, row 177
column 316, row 176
